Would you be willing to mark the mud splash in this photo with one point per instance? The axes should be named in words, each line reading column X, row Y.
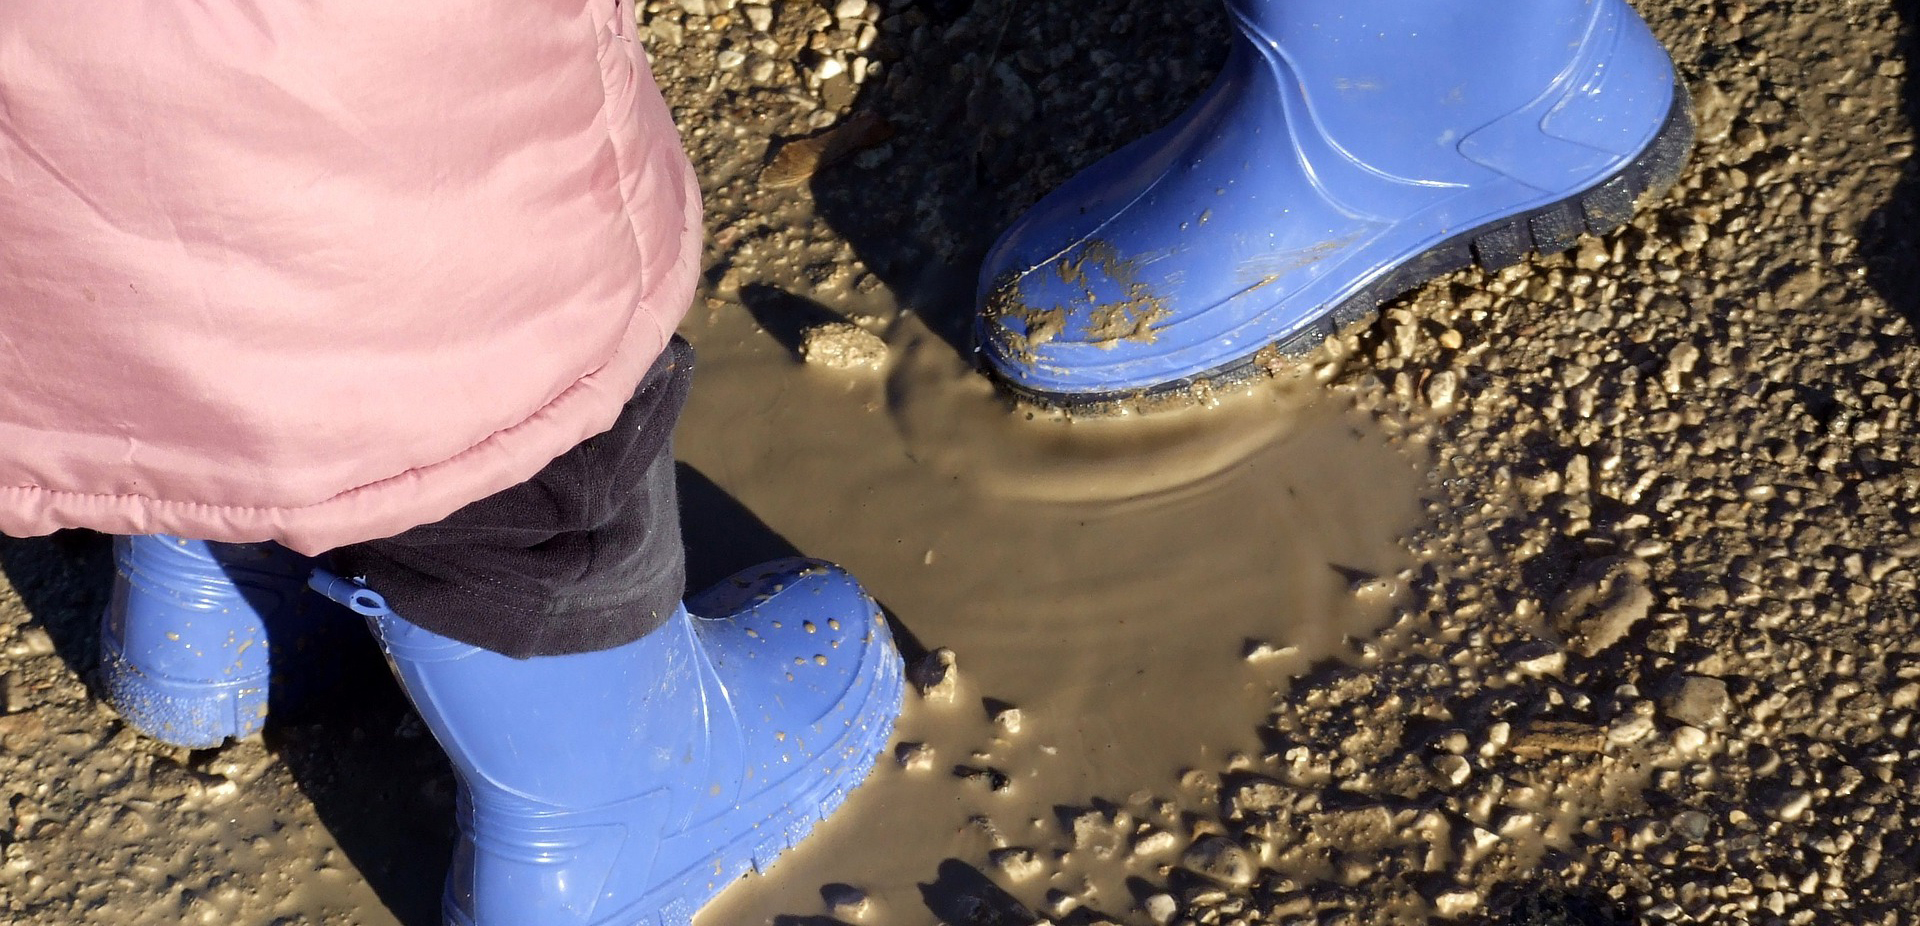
column 1107, row 323
column 1105, row 578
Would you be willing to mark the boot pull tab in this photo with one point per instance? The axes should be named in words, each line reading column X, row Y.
column 352, row 595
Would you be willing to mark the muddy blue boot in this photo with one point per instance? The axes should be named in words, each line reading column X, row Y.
column 630, row 785
column 201, row 638
column 1349, row 151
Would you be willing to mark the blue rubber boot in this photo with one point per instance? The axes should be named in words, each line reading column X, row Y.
column 202, row 638
column 631, row 785
column 1349, row 151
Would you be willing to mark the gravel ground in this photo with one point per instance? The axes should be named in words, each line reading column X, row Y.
column 1658, row 662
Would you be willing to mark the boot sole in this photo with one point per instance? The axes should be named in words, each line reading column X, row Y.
column 189, row 714
column 1599, row 209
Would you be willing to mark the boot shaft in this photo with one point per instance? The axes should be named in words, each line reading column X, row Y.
column 175, row 600
column 1400, row 85
column 575, row 730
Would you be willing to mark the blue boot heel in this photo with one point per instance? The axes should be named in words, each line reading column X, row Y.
column 202, row 639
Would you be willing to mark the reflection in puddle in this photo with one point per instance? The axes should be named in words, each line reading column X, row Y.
column 952, row 420
column 1104, row 577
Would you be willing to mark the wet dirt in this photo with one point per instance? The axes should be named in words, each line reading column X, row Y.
column 1105, row 577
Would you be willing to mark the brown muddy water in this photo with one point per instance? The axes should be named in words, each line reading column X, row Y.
column 1104, row 577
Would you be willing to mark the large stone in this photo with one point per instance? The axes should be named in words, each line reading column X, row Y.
column 1608, row 598
column 1698, row 701
column 1220, row 859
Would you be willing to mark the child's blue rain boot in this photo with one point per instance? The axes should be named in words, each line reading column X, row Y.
column 200, row 638
column 631, row 785
column 1349, row 151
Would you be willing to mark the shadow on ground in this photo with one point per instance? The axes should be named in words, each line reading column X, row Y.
column 65, row 581
column 1557, row 908
column 723, row 537
column 994, row 103
column 382, row 789
column 1890, row 237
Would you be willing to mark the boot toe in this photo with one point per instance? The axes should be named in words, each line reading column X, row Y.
column 813, row 677
column 801, row 649
column 1096, row 293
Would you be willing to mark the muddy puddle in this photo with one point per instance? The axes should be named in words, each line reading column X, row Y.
column 1103, row 578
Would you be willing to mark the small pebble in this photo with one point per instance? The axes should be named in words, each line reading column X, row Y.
column 32, row 641
column 1453, row 769
column 1154, row 842
column 936, row 676
column 1442, row 389
column 1456, row 903
column 1017, row 863
column 1791, row 806
column 1160, row 908
column 1262, row 651
column 1220, row 859
column 914, row 757
column 829, row 68
column 846, row 901
column 842, row 346
column 1688, row 740
column 1692, row 825
column 1698, row 701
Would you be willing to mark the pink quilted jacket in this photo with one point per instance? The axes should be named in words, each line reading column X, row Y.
column 321, row 271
